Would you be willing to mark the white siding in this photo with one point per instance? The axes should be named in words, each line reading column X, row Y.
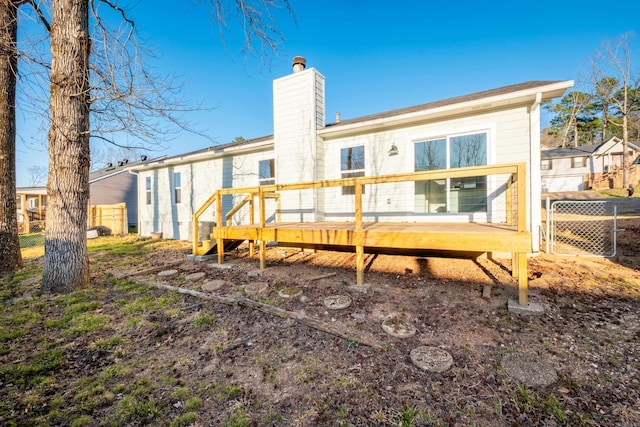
column 508, row 140
column 298, row 101
column 200, row 180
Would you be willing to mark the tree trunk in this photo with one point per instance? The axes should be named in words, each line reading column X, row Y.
column 10, row 256
column 66, row 263
column 625, row 151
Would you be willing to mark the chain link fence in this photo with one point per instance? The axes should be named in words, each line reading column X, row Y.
column 582, row 228
column 34, row 236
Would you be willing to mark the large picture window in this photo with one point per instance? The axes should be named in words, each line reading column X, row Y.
column 266, row 172
column 459, row 195
column 351, row 166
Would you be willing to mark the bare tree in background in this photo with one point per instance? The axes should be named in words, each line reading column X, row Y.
column 617, row 59
column 37, row 175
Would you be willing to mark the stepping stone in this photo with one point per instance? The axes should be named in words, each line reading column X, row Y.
column 358, row 316
column 168, row 273
column 194, row 277
column 254, row 273
column 290, row 292
column 399, row 328
column 529, row 369
column 212, row 285
column 256, row 288
column 337, row 302
column 220, row 266
column 432, row 359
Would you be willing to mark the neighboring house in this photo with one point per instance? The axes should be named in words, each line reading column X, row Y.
column 586, row 166
column 486, row 128
column 107, row 186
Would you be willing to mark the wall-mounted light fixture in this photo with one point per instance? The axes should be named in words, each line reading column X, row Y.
column 393, row 150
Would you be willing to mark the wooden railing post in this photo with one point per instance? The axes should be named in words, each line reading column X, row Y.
column 358, row 235
column 263, row 223
column 219, row 224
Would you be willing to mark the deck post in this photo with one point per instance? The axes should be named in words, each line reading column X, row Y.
column 252, row 220
column 219, row 239
column 358, row 236
column 263, row 222
column 194, row 235
column 523, row 280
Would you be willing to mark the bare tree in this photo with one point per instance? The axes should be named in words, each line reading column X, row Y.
column 37, row 175
column 616, row 59
column 10, row 256
column 117, row 75
column 66, row 263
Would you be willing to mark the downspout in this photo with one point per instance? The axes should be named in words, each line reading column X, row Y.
column 535, row 188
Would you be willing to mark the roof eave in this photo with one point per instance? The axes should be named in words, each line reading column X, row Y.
column 549, row 91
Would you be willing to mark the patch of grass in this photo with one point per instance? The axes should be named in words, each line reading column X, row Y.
column 133, row 411
column 23, row 374
column 225, row 392
column 205, row 319
column 10, row 334
column 87, row 323
column 238, row 418
column 185, row 420
column 193, row 403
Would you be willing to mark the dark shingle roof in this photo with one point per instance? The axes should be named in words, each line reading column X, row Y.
column 556, row 153
column 451, row 101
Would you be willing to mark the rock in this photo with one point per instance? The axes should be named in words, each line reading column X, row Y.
column 358, row 316
column 168, row 273
column 337, row 302
column 212, row 285
column 529, row 369
column 254, row 273
column 220, row 266
column 256, row 288
column 398, row 328
column 290, row 292
column 194, row 277
column 432, row 359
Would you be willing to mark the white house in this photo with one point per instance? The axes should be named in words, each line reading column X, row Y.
column 486, row 128
column 585, row 167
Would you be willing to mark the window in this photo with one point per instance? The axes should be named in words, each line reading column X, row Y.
column 148, row 189
column 266, row 172
column 177, row 188
column 458, row 195
column 352, row 166
column 546, row 164
column 578, row 162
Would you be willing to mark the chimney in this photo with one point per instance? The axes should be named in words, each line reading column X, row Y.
column 337, row 116
column 299, row 64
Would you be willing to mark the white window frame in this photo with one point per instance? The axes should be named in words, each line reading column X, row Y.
column 147, row 181
column 351, row 172
column 177, row 188
column 575, row 164
column 546, row 164
column 264, row 180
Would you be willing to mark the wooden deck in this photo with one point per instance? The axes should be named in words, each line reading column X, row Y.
column 371, row 237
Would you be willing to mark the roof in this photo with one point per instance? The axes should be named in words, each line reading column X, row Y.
column 122, row 166
column 585, row 150
column 557, row 153
column 506, row 94
column 537, row 84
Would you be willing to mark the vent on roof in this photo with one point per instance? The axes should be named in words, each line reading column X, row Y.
column 109, row 165
column 143, row 158
column 126, row 161
column 120, row 163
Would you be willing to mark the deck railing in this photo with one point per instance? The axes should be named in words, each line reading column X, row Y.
column 514, row 196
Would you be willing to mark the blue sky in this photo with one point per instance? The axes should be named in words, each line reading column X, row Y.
column 376, row 56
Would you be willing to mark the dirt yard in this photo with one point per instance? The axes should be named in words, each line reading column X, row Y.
column 172, row 359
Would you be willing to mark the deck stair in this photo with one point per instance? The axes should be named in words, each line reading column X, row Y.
column 209, row 247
